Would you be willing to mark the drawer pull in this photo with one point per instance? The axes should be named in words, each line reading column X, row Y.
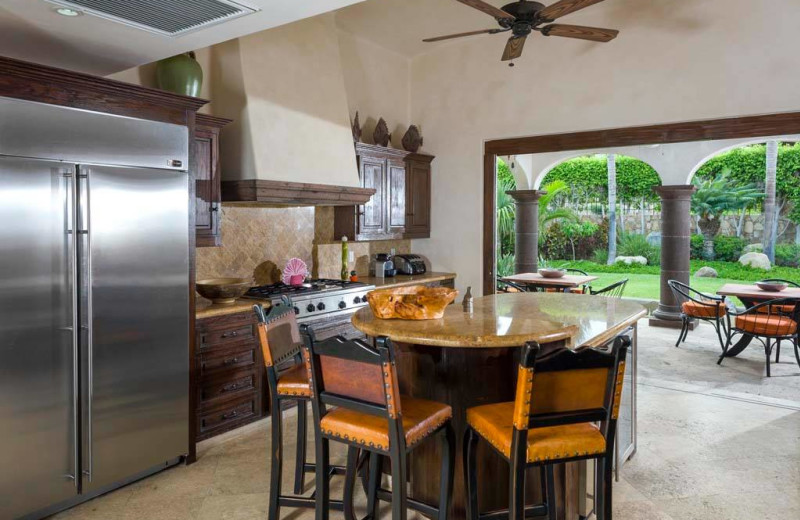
column 231, row 415
column 231, row 334
column 230, row 387
column 230, row 361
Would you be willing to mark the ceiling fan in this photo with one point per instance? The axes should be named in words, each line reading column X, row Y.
column 526, row 16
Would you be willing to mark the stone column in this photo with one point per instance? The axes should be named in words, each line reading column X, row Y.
column 526, row 230
column 676, row 234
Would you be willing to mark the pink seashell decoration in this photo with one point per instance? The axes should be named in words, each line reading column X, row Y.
column 295, row 272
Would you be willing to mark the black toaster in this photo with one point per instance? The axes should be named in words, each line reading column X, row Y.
column 409, row 264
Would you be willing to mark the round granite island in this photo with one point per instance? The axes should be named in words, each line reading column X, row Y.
column 469, row 359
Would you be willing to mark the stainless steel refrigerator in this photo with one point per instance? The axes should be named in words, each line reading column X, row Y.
column 94, row 298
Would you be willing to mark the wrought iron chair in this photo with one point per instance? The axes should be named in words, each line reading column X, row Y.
column 583, row 289
column 359, row 383
column 615, row 290
column 550, row 423
column 788, row 310
column 504, row 286
column 699, row 306
column 767, row 322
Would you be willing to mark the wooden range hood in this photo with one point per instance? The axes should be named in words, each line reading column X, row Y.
column 283, row 193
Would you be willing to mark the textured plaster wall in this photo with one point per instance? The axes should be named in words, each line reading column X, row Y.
column 675, row 60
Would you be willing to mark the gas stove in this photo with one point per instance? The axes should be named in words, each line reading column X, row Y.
column 318, row 298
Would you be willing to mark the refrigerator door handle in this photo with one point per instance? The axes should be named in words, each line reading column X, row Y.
column 84, row 195
column 71, row 219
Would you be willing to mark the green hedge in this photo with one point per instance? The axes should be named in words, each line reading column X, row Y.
column 589, row 176
column 730, row 270
column 728, row 249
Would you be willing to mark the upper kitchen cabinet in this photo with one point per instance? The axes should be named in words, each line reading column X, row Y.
column 400, row 207
column 208, row 195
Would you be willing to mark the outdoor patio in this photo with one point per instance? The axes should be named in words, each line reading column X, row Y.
column 715, row 443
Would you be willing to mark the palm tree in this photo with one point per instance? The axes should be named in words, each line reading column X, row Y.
column 548, row 215
column 770, row 217
column 506, row 209
column 715, row 196
column 611, row 160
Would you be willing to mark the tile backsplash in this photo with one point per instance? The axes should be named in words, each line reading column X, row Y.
column 257, row 242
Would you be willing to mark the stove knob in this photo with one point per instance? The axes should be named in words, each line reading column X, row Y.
column 311, row 307
column 320, row 306
column 342, row 304
column 296, row 310
column 357, row 300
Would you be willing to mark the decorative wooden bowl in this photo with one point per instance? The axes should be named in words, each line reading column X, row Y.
column 223, row 290
column 772, row 286
column 414, row 302
column 552, row 273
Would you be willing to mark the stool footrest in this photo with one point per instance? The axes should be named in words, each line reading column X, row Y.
column 296, row 501
column 416, row 505
column 530, row 512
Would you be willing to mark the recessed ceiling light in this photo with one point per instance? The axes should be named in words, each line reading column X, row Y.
column 66, row 11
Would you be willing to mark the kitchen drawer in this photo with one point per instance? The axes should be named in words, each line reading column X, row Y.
column 229, row 321
column 230, row 386
column 237, row 357
column 227, row 417
column 226, row 335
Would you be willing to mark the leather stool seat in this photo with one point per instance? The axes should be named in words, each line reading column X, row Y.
column 420, row 418
column 495, row 423
column 294, row 382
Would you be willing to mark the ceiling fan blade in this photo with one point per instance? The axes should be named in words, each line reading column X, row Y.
column 489, row 9
column 460, row 35
column 580, row 32
column 514, row 47
column 563, row 8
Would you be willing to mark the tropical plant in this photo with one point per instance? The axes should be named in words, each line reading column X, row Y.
column 506, row 209
column 633, row 244
column 548, row 213
column 505, row 265
column 770, row 217
column 611, row 161
column 713, row 198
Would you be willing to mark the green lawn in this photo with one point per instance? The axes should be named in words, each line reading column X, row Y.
column 644, row 281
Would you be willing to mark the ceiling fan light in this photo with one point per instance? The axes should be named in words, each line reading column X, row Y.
column 66, row 11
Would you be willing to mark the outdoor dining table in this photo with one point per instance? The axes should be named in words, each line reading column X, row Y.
column 751, row 295
column 565, row 283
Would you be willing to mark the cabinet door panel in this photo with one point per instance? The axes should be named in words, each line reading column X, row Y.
column 418, row 200
column 204, row 188
column 373, row 175
column 397, row 197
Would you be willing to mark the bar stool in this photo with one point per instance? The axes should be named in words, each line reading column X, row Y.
column 552, row 420
column 287, row 377
column 369, row 414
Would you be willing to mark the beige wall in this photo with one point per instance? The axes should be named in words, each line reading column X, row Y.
column 378, row 83
column 718, row 58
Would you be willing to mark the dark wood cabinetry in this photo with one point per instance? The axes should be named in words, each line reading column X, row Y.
column 230, row 390
column 208, row 196
column 400, row 207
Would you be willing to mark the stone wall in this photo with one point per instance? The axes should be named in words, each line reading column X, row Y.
column 752, row 230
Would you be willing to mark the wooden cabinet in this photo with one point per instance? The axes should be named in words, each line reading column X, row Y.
column 418, row 196
column 400, row 207
column 207, row 179
column 230, row 389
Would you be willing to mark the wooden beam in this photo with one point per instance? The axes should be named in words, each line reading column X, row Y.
column 294, row 193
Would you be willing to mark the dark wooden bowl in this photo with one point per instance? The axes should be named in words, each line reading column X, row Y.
column 413, row 302
column 552, row 273
column 223, row 290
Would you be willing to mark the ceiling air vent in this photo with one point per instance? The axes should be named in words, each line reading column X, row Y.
column 171, row 18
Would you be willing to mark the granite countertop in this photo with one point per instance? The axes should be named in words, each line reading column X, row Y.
column 403, row 279
column 205, row 309
column 507, row 320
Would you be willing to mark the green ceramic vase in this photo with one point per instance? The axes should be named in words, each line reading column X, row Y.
column 180, row 74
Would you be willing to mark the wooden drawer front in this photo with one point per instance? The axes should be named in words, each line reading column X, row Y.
column 225, row 417
column 225, row 336
column 211, row 363
column 227, row 322
column 237, row 385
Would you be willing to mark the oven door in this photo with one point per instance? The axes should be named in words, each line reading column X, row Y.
column 335, row 324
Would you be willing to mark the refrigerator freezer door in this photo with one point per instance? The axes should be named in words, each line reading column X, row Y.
column 37, row 444
column 136, row 254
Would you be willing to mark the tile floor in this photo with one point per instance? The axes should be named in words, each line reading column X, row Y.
column 715, row 443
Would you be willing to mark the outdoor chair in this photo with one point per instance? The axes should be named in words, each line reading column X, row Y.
column 583, row 289
column 699, row 306
column 767, row 322
column 614, row 290
column 505, row 286
column 788, row 309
